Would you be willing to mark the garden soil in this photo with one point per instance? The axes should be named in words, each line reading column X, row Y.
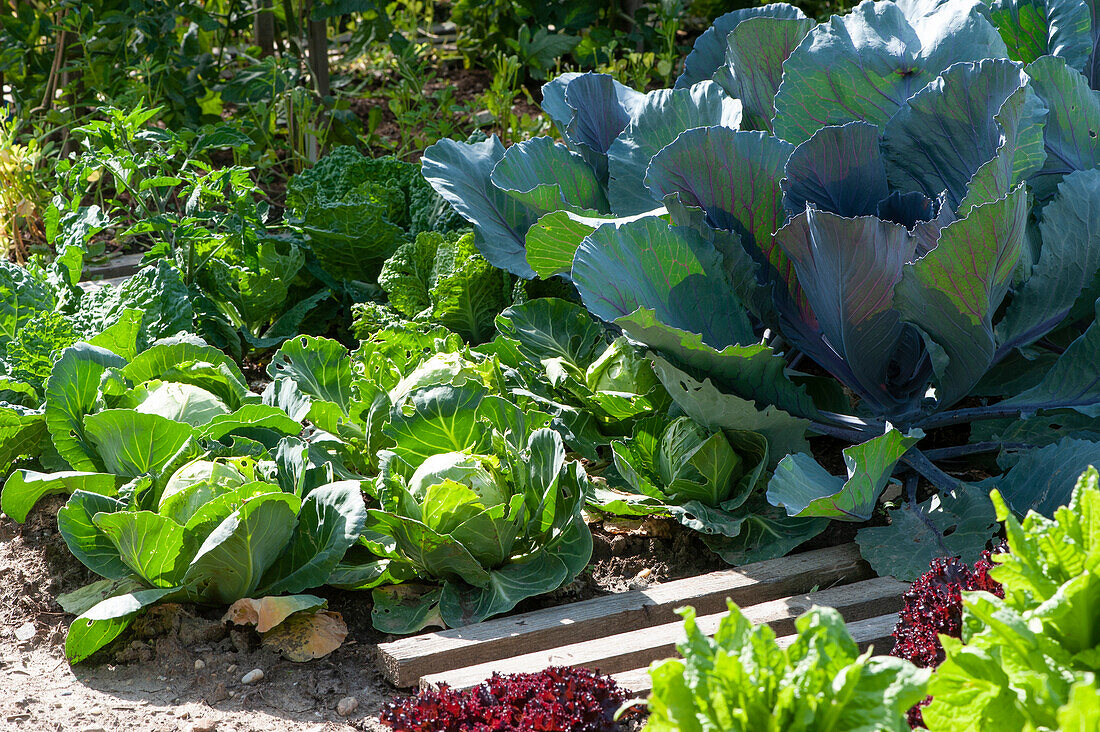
column 181, row 669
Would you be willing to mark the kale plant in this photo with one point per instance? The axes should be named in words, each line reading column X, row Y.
column 356, row 211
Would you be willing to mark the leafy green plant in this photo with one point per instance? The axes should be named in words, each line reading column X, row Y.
column 475, row 496
column 356, row 211
column 556, row 356
column 420, row 124
column 45, row 312
column 218, row 532
column 121, row 50
column 475, row 533
column 136, row 435
column 443, row 279
column 741, row 679
column 499, row 100
column 540, row 31
column 764, row 212
column 158, row 175
column 1030, row 660
column 708, row 480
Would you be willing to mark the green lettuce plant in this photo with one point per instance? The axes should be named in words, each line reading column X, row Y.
column 476, row 505
column 184, row 486
column 742, row 680
column 1031, row 660
column 555, row 355
column 113, row 415
column 216, row 534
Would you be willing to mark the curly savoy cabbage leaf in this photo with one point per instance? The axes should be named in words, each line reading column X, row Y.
column 444, row 279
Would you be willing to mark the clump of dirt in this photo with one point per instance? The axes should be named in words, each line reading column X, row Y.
column 632, row 555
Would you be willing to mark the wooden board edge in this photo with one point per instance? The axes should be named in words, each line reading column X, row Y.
column 615, row 653
column 403, row 661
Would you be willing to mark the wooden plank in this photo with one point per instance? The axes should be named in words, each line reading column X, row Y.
column 404, row 661
column 634, row 649
column 877, row 632
column 123, row 265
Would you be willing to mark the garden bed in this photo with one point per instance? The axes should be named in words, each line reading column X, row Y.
column 181, row 667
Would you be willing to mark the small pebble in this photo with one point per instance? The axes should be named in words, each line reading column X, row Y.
column 25, row 632
column 93, row 728
column 231, row 669
column 347, row 706
column 254, row 676
column 219, row 694
column 199, row 664
column 204, row 725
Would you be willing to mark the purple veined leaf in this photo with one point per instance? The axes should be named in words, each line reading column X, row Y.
column 663, row 115
column 1035, row 28
column 847, row 269
column 709, row 53
column 590, row 110
column 602, row 107
column 864, row 65
column 838, row 170
column 806, row 489
column 460, row 173
column 734, row 177
column 670, row 270
column 546, row 176
column 1064, row 279
column 963, row 521
column 952, row 293
column 552, row 241
column 1043, row 479
column 553, row 100
column 1072, row 131
column 1073, row 382
column 753, row 70
column 1022, row 151
column 755, row 372
column 738, row 264
column 944, row 133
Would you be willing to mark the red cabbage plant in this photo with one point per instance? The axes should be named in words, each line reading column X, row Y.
column 559, row 699
column 933, row 606
column 800, row 237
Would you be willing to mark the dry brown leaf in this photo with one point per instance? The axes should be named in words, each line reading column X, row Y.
column 306, row 636
column 267, row 612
